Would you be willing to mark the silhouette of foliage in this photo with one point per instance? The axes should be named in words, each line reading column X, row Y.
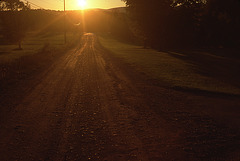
column 179, row 23
column 17, row 23
column 13, row 5
column 13, row 17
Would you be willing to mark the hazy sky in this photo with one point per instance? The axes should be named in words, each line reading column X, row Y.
column 74, row 4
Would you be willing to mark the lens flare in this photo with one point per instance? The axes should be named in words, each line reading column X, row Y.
column 82, row 3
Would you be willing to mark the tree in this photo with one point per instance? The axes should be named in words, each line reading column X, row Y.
column 13, row 5
column 221, row 22
column 187, row 22
column 152, row 18
column 188, row 2
column 14, row 20
column 165, row 23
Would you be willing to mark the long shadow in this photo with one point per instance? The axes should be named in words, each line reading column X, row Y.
column 223, row 65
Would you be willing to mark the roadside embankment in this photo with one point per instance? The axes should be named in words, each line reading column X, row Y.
column 193, row 71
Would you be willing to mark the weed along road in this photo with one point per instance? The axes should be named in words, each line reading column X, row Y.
column 91, row 106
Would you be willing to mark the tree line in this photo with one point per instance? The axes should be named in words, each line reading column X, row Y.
column 187, row 23
column 11, row 21
column 17, row 19
column 159, row 24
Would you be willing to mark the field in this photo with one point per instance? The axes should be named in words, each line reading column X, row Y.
column 32, row 44
column 39, row 51
column 195, row 71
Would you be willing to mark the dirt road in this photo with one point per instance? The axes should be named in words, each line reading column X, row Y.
column 90, row 106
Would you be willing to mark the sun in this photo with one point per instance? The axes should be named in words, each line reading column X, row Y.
column 82, row 3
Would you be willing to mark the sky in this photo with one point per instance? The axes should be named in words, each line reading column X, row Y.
column 74, row 4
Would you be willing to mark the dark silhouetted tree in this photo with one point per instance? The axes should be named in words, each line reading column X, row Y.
column 14, row 20
column 221, row 22
column 152, row 17
column 169, row 23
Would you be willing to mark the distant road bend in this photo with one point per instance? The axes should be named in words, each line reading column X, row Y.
column 86, row 107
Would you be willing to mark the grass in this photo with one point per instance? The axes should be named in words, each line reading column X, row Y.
column 32, row 44
column 177, row 69
column 39, row 52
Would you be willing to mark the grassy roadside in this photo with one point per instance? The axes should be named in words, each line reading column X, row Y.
column 33, row 44
column 176, row 69
column 39, row 51
column 20, row 70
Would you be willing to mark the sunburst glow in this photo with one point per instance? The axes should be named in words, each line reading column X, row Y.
column 82, row 3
